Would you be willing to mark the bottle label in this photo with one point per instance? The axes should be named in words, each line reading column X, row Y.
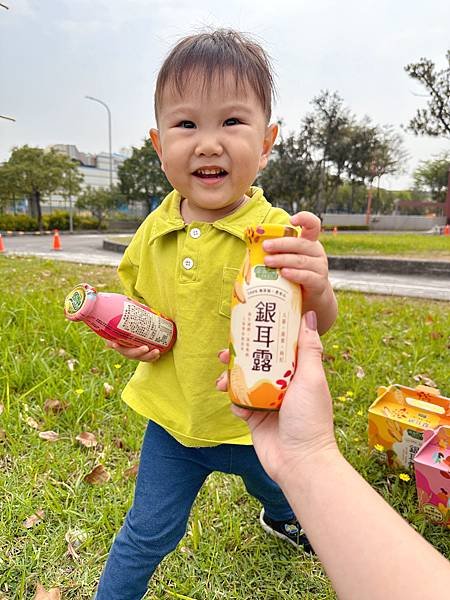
column 75, row 300
column 146, row 324
column 264, row 328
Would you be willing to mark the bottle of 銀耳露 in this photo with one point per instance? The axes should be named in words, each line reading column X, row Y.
column 265, row 322
column 120, row 319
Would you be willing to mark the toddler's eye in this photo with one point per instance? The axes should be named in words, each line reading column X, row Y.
column 186, row 124
column 232, row 121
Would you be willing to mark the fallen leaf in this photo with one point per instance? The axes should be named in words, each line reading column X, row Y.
column 1, row 408
column 423, row 378
column 42, row 594
column 435, row 335
column 61, row 352
column 74, row 539
column 71, row 362
column 108, row 389
column 52, row 405
column 32, row 423
column 131, row 472
column 97, row 476
column 328, row 357
column 34, row 519
column 429, row 319
column 347, row 355
column 50, row 436
column 95, row 370
column 2, row 435
column 360, row 372
column 87, row 439
column 118, row 443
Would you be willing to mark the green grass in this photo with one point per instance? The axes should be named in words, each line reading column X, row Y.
column 397, row 245
column 225, row 554
column 401, row 245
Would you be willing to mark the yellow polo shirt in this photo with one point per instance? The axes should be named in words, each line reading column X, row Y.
column 187, row 272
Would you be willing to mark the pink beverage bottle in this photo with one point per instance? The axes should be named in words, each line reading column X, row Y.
column 120, row 319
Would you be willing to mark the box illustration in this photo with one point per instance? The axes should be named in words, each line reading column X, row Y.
column 432, row 467
column 398, row 418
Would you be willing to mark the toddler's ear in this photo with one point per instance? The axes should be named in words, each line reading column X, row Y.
column 269, row 140
column 156, row 142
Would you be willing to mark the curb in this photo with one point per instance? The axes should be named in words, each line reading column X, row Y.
column 407, row 266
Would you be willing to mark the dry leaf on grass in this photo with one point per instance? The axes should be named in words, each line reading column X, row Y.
column 118, row 443
column 51, row 405
column 2, row 434
column 71, row 363
column 1, row 408
column 32, row 423
column 42, row 594
column 347, row 355
column 435, row 335
column 131, row 471
column 50, row 436
column 34, row 519
column 97, row 476
column 74, row 539
column 360, row 373
column 61, row 352
column 95, row 370
column 108, row 389
column 423, row 378
column 87, row 439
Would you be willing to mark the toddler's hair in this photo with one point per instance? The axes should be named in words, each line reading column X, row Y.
column 209, row 56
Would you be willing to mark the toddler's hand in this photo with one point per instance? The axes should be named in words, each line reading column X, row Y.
column 301, row 260
column 142, row 353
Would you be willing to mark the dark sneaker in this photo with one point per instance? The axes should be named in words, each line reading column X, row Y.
column 290, row 531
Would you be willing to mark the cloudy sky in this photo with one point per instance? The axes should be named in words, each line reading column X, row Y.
column 54, row 52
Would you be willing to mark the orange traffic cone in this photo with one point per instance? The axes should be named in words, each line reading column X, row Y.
column 447, row 230
column 335, row 230
column 2, row 245
column 56, row 240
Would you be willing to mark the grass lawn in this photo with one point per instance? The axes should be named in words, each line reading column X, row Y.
column 225, row 554
column 397, row 245
column 413, row 245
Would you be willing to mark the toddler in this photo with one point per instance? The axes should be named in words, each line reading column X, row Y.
column 213, row 107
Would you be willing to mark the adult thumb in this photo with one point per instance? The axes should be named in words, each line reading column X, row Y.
column 310, row 349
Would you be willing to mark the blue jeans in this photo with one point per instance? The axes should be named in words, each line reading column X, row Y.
column 169, row 479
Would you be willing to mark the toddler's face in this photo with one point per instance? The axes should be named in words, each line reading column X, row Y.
column 212, row 145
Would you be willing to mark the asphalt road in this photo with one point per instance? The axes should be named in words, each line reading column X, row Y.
column 88, row 248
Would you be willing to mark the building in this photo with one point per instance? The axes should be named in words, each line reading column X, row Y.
column 95, row 169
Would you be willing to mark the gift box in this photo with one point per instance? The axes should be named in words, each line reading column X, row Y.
column 398, row 418
column 432, row 468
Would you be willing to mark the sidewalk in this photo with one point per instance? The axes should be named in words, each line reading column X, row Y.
column 394, row 277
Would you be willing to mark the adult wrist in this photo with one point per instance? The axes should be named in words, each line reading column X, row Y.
column 307, row 463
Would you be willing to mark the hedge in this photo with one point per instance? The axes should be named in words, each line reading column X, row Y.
column 56, row 220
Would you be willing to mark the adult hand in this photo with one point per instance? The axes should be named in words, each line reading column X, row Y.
column 303, row 427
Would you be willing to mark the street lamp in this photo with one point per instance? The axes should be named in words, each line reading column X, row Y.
column 109, row 136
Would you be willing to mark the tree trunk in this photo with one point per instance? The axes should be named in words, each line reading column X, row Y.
column 35, row 207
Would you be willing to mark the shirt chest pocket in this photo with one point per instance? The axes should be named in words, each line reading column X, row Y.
column 229, row 275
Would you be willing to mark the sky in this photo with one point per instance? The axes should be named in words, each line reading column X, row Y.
column 54, row 53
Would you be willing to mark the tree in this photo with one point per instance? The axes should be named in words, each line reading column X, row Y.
column 141, row 177
column 100, row 201
column 432, row 175
column 435, row 119
column 287, row 175
column 34, row 173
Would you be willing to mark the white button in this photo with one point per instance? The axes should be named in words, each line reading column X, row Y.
column 188, row 263
column 195, row 232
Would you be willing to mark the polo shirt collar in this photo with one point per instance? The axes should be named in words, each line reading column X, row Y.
column 168, row 217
